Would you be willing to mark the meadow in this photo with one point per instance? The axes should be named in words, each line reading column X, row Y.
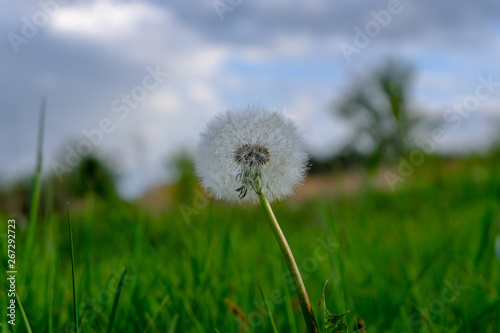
column 418, row 259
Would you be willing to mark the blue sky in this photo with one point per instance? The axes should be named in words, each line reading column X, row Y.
column 284, row 54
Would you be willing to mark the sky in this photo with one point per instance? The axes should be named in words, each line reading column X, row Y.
column 135, row 82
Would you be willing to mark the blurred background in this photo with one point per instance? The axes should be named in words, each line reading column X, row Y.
column 133, row 83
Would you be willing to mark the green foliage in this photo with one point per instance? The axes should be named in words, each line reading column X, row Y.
column 332, row 323
column 92, row 176
column 421, row 258
column 378, row 105
column 183, row 169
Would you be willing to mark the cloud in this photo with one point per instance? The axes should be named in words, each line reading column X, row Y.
column 107, row 21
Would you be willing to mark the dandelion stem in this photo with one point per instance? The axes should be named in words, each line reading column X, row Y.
column 300, row 288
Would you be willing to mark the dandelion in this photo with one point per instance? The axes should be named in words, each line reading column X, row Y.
column 243, row 151
column 257, row 155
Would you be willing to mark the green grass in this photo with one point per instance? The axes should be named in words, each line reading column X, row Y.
column 392, row 259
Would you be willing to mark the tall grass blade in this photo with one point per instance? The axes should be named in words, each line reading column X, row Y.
column 162, row 304
column 270, row 314
column 25, row 318
column 292, row 323
column 487, row 239
column 173, row 324
column 51, row 277
column 75, row 310
column 37, row 179
column 115, row 302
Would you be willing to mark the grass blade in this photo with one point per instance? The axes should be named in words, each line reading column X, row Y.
column 37, row 179
column 75, row 312
column 115, row 302
column 292, row 323
column 25, row 318
column 270, row 314
column 487, row 236
column 162, row 304
column 173, row 324
column 51, row 277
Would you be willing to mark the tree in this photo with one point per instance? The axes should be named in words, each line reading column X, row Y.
column 182, row 167
column 378, row 107
column 94, row 176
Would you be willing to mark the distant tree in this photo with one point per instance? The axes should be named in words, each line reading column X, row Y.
column 378, row 106
column 182, row 168
column 90, row 177
column 93, row 176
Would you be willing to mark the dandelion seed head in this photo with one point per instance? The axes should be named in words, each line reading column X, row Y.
column 245, row 150
column 251, row 154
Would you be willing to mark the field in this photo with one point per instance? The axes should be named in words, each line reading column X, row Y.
column 417, row 259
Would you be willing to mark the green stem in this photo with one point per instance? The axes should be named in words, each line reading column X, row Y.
column 37, row 181
column 115, row 302
column 75, row 309
column 25, row 318
column 300, row 288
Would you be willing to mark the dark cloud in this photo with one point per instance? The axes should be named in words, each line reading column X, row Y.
column 257, row 22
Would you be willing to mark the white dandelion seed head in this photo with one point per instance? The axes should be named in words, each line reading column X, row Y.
column 242, row 145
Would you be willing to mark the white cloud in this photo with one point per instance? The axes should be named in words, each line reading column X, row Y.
column 106, row 20
column 163, row 102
